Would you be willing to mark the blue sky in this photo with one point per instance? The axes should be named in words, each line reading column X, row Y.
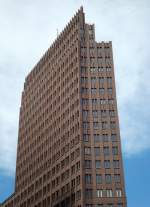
column 27, row 29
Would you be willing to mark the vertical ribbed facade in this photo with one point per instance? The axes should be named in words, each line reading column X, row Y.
column 69, row 151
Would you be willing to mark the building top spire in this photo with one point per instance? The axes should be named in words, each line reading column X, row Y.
column 81, row 8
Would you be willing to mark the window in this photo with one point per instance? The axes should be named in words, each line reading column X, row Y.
column 110, row 101
column 84, row 90
column 78, row 195
column 109, row 90
column 85, row 101
column 78, row 166
column 116, row 163
column 103, row 113
column 82, row 34
column 86, row 125
column 92, row 60
column 67, row 161
column 83, row 70
column 118, row 193
column 97, row 138
column 92, row 50
column 95, row 125
column 62, row 164
column 99, row 59
column 101, row 90
column 86, row 137
column 77, row 152
column 115, row 150
column 85, row 114
column 87, row 150
column 106, row 151
column 100, row 69
column 99, row 193
column 88, row 163
column 84, row 80
column 73, row 169
column 113, row 137
column 99, row 52
column 78, row 180
column 107, row 164
column 88, row 193
column 93, row 69
column 88, row 178
column 117, row 178
column 93, row 90
column 90, row 31
column 91, row 36
column 105, row 137
column 108, row 178
column 108, row 69
column 104, row 125
column 110, row 205
column 83, row 60
column 109, row 193
column 97, row 151
column 111, row 113
column 101, row 80
column 103, row 101
column 119, row 205
column 98, row 179
column 109, row 80
column 97, row 164
column 112, row 124
column 94, row 101
column 93, row 80
column 95, row 113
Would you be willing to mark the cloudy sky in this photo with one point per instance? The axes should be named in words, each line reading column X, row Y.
column 27, row 29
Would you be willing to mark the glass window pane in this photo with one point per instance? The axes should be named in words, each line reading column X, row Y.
column 97, row 164
column 97, row 151
column 98, row 179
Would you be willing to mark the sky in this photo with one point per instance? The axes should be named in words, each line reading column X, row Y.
column 28, row 28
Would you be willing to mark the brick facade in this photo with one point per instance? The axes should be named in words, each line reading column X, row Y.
column 69, row 152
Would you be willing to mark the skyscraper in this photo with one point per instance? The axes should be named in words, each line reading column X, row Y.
column 69, row 151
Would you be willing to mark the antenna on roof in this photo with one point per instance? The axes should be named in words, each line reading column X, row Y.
column 57, row 33
column 81, row 8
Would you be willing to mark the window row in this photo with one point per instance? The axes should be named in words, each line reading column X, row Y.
column 95, row 69
column 102, row 125
column 101, row 91
column 98, row 101
column 65, row 176
column 97, row 113
column 100, row 138
column 65, row 162
column 100, row 179
column 66, row 190
column 94, row 80
column 98, row 151
column 94, row 52
column 103, row 193
column 107, row 164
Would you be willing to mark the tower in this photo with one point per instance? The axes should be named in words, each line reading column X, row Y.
column 69, row 151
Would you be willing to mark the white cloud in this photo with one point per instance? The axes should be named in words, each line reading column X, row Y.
column 27, row 30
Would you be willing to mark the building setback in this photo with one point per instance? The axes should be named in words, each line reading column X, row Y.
column 69, row 150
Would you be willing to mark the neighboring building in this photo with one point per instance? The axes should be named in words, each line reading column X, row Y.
column 69, row 151
column 9, row 202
